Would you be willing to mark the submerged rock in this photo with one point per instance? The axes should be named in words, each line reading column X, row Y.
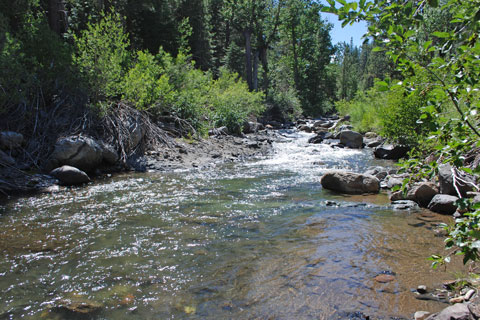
column 70, row 175
column 349, row 182
column 384, row 278
column 77, row 307
column 404, row 205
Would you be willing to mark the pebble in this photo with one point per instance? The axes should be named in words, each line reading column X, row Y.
column 421, row 315
column 469, row 294
column 459, row 299
column 422, row 289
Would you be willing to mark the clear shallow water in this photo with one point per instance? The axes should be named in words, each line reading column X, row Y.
column 258, row 240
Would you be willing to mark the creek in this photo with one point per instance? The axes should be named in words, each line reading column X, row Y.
column 258, row 239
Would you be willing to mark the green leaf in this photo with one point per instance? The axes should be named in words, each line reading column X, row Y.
column 440, row 34
column 378, row 49
column 382, row 86
column 433, row 3
column 427, row 44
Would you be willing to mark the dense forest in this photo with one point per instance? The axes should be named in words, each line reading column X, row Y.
column 210, row 63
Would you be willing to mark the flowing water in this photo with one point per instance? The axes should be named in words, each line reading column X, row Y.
column 255, row 240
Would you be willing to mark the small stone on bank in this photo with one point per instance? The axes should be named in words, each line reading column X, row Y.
column 421, row 315
column 422, row 289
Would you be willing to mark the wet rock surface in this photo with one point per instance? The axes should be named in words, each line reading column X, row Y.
column 351, row 139
column 70, row 175
column 349, row 182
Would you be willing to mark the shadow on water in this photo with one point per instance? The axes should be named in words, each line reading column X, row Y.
column 253, row 240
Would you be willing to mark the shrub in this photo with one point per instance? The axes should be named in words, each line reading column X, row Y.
column 36, row 66
column 147, row 85
column 103, row 57
column 400, row 115
column 232, row 103
column 364, row 110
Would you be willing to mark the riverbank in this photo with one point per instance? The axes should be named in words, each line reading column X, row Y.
column 179, row 154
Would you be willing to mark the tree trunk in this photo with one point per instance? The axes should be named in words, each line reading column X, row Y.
column 248, row 57
column 57, row 16
column 296, row 74
column 255, row 71
column 264, row 60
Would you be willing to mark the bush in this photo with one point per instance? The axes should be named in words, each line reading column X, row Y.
column 394, row 112
column 232, row 103
column 400, row 115
column 102, row 56
column 36, row 66
column 147, row 85
column 365, row 109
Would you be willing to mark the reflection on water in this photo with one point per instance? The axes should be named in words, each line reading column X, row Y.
column 255, row 240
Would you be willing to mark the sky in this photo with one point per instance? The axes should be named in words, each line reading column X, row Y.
column 339, row 34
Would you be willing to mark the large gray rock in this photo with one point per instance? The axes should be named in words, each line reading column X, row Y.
column 391, row 152
column 77, row 151
column 70, row 176
column 445, row 177
column 10, row 140
column 349, row 182
column 109, row 154
column 373, row 143
column 394, row 180
column 252, row 127
column 442, row 203
column 351, row 139
column 458, row 311
column 422, row 193
column 304, row 127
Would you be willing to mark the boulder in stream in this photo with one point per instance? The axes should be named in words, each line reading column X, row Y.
column 391, row 152
column 349, row 182
column 351, row 139
column 442, row 203
column 70, row 176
